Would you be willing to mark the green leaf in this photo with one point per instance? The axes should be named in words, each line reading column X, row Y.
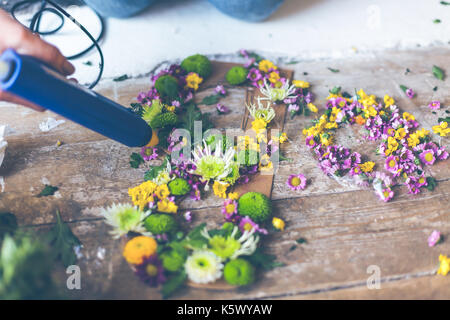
column 335, row 90
column 283, row 158
column 431, row 183
column 301, row 240
column 445, row 3
column 403, row 87
column 194, row 239
column 153, row 172
column 293, row 62
column 333, row 70
column 121, row 78
column 172, row 284
column 210, row 100
column 265, row 261
column 435, row 88
column 446, row 119
column 136, row 160
column 438, row 73
column 88, row 63
column 63, row 242
column 8, row 224
column 437, row 21
column 47, row 191
column 192, row 113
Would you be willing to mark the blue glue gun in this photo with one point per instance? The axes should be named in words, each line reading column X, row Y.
column 33, row 80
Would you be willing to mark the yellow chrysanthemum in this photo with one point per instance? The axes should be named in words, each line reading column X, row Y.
column 167, row 206
column 142, row 194
column 408, row 117
column 312, row 107
column 367, row 166
column 220, row 189
column 442, row 129
column 283, row 137
column 233, row 195
column 300, row 84
column 444, row 267
column 413, row 140
column 274, row 77
column 400, row 133
column 162, row 191
column 258, row 125
column 193, row 80
column 278, row 223
column 266, row 65
column 388, row 101
column 139, row 248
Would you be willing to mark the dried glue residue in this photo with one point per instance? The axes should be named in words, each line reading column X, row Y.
column 49, row 124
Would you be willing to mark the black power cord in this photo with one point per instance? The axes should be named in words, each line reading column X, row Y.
column 60, row 13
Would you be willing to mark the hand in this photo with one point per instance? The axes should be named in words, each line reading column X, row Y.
column 15, row 36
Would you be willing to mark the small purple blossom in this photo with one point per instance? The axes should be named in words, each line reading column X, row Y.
column 386, row 194
column 151, row 271
column 434, row 238
column 296, row 182
column 434, row 105
column 254, row 75
column 220, row 89
column 188, row 216
column 410, row 93
column 247, row 224
column 427, row 157
column 221, row 109
column 229, row 209
column 149, row 153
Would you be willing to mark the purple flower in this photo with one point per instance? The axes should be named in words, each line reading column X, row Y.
column 249, row 62
column 386, row 194
column 221, row 109
column 310, row 142
column 220, row 89
column 391, row 164
column 410, row 93
column 254, row 75
column 149, row 153
column 151, row 271
column 427, row 157
column 247, row 224
column 229, row 209
column 243, row 53
column 434, row 238
column 188, row 216
column 292, row 108
column 434, row 105
column 296, row 181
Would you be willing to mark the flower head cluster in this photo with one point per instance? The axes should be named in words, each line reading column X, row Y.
column 125, row 218
column 151, row 195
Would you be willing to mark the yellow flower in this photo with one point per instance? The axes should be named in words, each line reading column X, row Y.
column 300, row 84
column 139, row 248
column 444, row 267
column 408, row 117
column 274, row 77
column 170, row 108
column 258, row 125
column 388, row 101
column 283, row 138
column 142, row 194
column 331, row 125
column 312, row 107
column 193, row 80
column 442, row 129
column 367, row 166
column 422, row 133
column 167, row 206
column 361, row 94
column 220, row 189
column 233, row 195
column 162, row 191
column 370, row 112
column 413, row 140
column 400, row 133
column 266, row 65
column 278, row 223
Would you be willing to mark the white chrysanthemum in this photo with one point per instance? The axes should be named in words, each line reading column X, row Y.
column 213, row 166
column 203, row 267
column 163, row 176
column 277, row 94
column 125, row 218
column 259, row 111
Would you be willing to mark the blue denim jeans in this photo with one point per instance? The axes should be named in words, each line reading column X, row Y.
column 248, row 10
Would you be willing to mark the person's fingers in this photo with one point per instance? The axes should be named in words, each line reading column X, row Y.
column 19, row 38
column 5, row 96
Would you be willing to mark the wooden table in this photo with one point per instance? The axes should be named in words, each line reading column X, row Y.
column 347, row 228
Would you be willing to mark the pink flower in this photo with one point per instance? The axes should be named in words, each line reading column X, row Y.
column 222, row 109
column 247, row 224
column 410, row 93
column 427, row 157
column 434, row 105
column 149, row 153
column 188, row 216
column 229, row 209
column 220, row 89
column 386, row 194
column 434, row 238
column 296, row 181
column 391, row 164
column 310, row 142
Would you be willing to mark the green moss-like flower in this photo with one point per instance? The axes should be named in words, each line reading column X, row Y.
column 255, row 205
column 150, row 112
column 234, row 174
column 167, row 86
column 179, row 187
column 211, row 142
column 224, row 247
column 248, row 157
column 173, row 260
column 236, row 75
column 163, row 120
column 239, row 272
column 159, row 223
column 198, row 64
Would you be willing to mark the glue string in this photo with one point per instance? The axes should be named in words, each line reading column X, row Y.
column 61, row 13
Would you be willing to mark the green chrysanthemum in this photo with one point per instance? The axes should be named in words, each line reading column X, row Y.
column 255, row 205
column 150, row 112
column 167, row 86
column 179, row 187
column 234, row 174
column 159, row 223
column 197, row 63
column 164, row 119
column 224, row 247
column 124, row 218
column 203, row 267
column 239, row 272
column 236, row 75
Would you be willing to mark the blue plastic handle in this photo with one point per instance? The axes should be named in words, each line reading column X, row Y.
column 38, row 83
